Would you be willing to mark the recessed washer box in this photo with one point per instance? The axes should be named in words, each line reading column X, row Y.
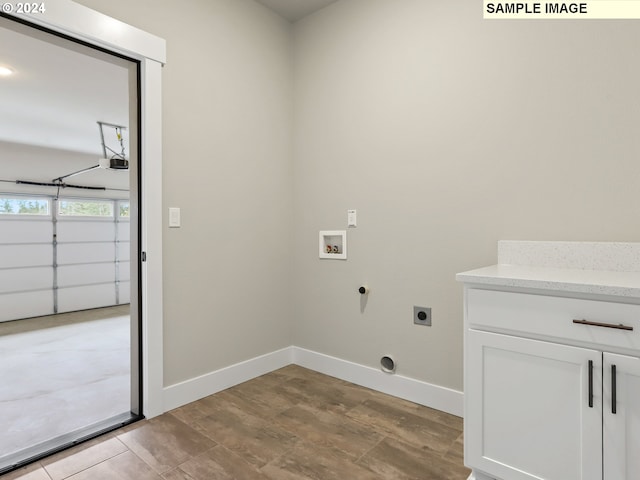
column 333, row 244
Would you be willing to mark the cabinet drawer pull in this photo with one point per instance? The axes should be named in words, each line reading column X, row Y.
column 614, row 394
column 590, row 383
column 605, row 325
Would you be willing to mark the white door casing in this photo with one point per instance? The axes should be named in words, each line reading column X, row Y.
column 82, row 23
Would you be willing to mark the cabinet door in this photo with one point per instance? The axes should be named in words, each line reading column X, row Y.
column 533, row 409
column 621, row 417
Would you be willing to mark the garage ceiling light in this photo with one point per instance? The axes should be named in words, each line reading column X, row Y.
column 5, row 71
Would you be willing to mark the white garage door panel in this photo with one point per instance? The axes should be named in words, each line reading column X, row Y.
column 125, row 271
column 12, row 256
column 86, row 273
column 125, row 292
column 26, row 231
column 124, row 251
column 85, row 253
column 74, row 275
column 86, row 231
column 26, row 304
column 81, row 298
column 124, row 230
column 20, row 279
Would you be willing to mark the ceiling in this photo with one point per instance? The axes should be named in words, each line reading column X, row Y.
column 294, row 10
column 58, row 92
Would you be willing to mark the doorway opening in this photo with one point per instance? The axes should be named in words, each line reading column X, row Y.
column 70, row 215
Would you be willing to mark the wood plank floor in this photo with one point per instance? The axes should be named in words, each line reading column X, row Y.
column 289, row 424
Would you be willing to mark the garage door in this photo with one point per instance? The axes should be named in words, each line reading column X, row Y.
column 62, row 255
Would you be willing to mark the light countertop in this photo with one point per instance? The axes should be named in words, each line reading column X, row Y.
column 570, row 280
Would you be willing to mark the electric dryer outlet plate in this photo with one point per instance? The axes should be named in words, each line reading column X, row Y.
column 422, row 316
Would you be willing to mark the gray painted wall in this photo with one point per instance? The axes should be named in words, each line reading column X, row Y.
column 227, row 163
column 445, row 131
column 448, row 133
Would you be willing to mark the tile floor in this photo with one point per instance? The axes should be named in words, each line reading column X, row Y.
column 289, row 424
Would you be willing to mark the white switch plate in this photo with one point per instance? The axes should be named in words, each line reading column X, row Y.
column 352, row 218
column 174, row 217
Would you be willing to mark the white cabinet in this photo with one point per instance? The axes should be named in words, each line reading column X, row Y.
column 542, row 401
column 529, row 417
column 621, row 425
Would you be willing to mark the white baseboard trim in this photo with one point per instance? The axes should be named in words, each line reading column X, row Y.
column 434, row 396
column 196, row 388
column 475, row 475
column 429, row 395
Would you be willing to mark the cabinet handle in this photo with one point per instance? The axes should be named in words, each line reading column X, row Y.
column 590, row 383
column 605, row 325
column 614, row 394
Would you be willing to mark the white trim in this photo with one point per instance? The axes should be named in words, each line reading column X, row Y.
column 82, row 23
column 423, row 393
column 196, row 388
column 476, row 475
column 151, row 239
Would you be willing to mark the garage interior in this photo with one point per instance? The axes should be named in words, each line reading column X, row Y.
column 65, row 243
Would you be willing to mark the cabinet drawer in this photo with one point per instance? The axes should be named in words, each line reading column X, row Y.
column 553, row 317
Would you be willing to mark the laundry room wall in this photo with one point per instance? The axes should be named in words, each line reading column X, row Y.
column 227, row 111
column 447, row 133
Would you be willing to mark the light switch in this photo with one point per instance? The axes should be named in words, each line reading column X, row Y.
column 351, row 218
column 174, row 217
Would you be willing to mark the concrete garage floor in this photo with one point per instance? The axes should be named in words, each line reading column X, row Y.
column 61, row 373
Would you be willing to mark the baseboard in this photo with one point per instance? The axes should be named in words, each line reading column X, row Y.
column 196, row 388
column 434, row 396
column 429, row 395
column 475, row 475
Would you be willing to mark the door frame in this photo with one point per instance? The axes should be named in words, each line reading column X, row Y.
column 88, row 26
